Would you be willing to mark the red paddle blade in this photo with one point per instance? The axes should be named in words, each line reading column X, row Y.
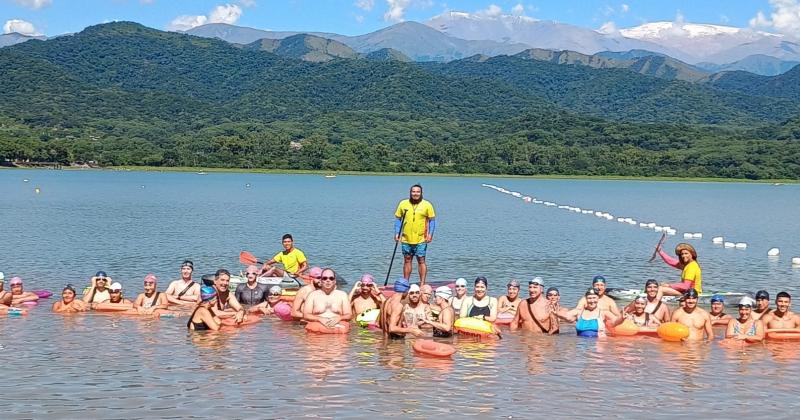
column 247, row 258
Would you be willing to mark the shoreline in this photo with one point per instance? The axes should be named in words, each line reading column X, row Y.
column 188, row 169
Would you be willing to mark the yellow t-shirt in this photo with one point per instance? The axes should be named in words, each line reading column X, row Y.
column 692, row 273
column 415, row 225
column 291, row 260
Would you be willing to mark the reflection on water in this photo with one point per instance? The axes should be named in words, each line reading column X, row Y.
column 108, row 366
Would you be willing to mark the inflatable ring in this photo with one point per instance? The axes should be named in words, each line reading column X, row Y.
column 433, row 348
column 43, row 294
column 473, row 326
column 783, row 335
column 317, row 327
column 288, row 295
column 673, row 331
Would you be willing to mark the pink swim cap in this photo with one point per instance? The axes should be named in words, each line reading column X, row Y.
column 367, row 279
column 283, row 311
column 15, row 280
column 315, row 272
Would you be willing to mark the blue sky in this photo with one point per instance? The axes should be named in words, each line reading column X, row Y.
column 351, row 17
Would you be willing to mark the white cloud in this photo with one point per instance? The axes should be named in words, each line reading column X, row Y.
column 784, row 18
column 247, row 3
column 365, row 4
column 34, row 4
column 492, row 11
column 608, row 28
column 359, row 18
column 227, row 13
column 624, row 8
column 397, row 10
column 518, row 10
column 20, row 26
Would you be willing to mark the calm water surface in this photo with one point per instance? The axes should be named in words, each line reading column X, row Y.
column 131, row 223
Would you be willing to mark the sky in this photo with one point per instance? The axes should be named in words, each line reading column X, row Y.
column 354, row 17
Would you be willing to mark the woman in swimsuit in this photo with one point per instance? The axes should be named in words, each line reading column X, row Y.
column 480, row 305
column 151, row 302
column 202, row 319
column 745, row 327
column 589, row 320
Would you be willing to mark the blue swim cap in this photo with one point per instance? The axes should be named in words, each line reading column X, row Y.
column 599, row 279
column 401, row 285
column 207, row 293
column 717, row 298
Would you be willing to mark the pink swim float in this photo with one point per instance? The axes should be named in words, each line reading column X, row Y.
column 43, row 294
column 283, row 311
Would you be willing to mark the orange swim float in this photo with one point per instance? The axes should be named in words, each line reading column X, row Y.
column 626, row 329
column 474, row 326
column 673, row 331
column 783, row 335
column 433, row 348
column 317, row 327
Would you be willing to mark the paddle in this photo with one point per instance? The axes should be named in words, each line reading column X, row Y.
column 247, row 258
column 388, row 273
column 660, row 242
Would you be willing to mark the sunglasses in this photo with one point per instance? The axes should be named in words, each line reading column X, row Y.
column 101, row 279
column 252, row 274
column 274, row 294
column 327, row 278
column 461, row 287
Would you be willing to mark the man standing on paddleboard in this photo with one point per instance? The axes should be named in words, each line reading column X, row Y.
column 415, row 222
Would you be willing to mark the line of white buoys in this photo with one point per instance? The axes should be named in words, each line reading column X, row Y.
column 729, row 245
column 671, row 232
column 535, row 201
column 741, row 245
column 773, row 252
column 718, row 240
column 687, row 235
column 526, row 199
column 796, row 261
column 697, row 235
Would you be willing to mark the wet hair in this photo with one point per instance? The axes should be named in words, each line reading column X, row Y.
column 651, row 281
column 69, row 287
column 684, row 246
column 220, row 272
column 782, row 295
column 287, row 236
column 482, row 279
column 410, row 199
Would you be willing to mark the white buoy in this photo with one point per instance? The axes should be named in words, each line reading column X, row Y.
column 672, row 232
column 729, row 244
column 795, row 260
column 687, row 235
column 25, row 180
column 631, row 222
column 658, row 229
column 773, row 252
column 697, row 235
column 718, row 240
column 651, row 225
column 741, row 245
column 642, row 224
column 535, row 201
column 609, row 217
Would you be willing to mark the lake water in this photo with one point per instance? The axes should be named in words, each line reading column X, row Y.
column 132, row 223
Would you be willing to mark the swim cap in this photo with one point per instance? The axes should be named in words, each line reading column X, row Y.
column 315, row 272
column 461, row 281
column 69, row 287
column 536, row 281
column 591, row 291
column 101, row 274
column 746, row 301
column 187, row 263
column 691, row 294
column 115, row 286
column 482, row 279
column 207, row 293
column 643, row 298
column 426, row 289
column 413, row 288
column 599, row 279
column 150, row 277
column 513, row 283
column 651, row 281
column 367, row 279
column 553, row 289
column 275, row 290
column 251, row 269
column 283, row 310
column 444, row 292
column 401, row 285
column 761, row 294
column 717, row 298
column 15, row 280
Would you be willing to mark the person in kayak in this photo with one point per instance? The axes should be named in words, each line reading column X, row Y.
column 781, row 318
column 717, row 313
column 695, row 318
column 414, row 225
column 98, row 290
column 391, row 317
column 654, row 306
column 202, row 318
column 691, row 275
column 151, row 301
column 604, row 302
column 480, row 304
column 762, row 304
column 226, row 306
column 590, row 321
column 300, row 297
column 293, row 260
column 184, row 292
column 442, row 324
column 460, row 294
column 745, row 327
column 327, row 305
column 18, row 293
column 507, row 304
column 365, row 295
column 536, row 314
column 68, row 303
column 250, row 293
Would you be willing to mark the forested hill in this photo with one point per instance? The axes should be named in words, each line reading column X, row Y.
column 124, row 94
